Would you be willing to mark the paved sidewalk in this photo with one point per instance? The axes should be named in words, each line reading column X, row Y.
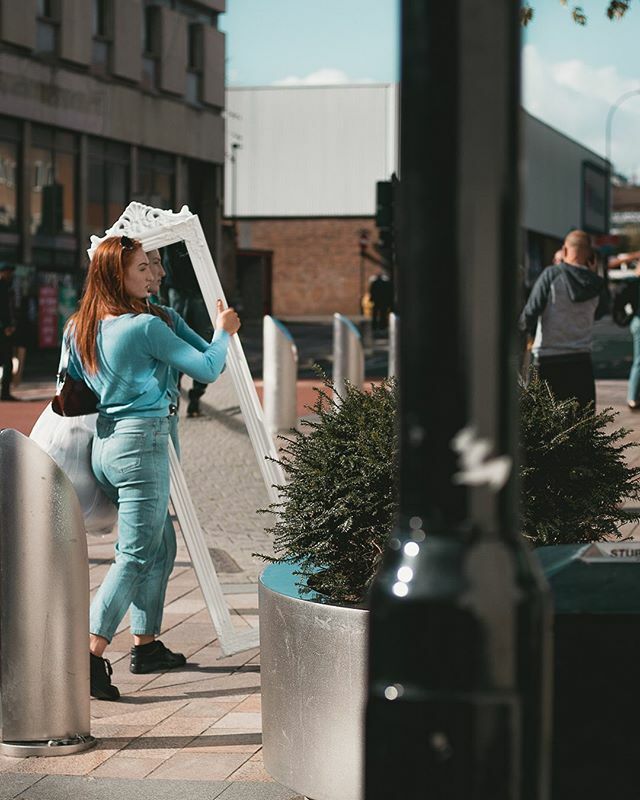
column 195, row 733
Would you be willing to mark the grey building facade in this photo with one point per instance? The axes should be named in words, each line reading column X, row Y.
column 102, row 102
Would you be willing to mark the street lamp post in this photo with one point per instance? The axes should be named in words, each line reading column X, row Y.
column 234, row 179
column 607, row 144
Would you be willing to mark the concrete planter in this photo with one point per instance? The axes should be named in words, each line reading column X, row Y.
column 313, row 666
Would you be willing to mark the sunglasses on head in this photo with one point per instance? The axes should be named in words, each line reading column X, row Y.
column 126, row 243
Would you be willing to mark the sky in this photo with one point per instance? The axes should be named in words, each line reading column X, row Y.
column 571, row 74
column 305, row 41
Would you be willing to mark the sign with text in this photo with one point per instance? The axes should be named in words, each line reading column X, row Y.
column 609, row 552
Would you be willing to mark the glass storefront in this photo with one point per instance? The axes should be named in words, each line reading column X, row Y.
column 108, row 189
column 8, row 186
column 156, row 179
column 45, row 246
column 52, row 158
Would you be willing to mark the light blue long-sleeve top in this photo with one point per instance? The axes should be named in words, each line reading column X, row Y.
column 138, row 358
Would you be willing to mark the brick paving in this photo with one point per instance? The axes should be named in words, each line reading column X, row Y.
column 192, row 733
column 200, row 725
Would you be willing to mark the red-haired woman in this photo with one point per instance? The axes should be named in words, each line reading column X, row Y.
column 124, row 348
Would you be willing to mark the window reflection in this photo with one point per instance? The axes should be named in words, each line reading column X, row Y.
column 8, row 191
column 108, row 190
column 156, row 176
column 53, row 178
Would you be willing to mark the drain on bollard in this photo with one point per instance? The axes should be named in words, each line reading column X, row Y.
column 44, row 606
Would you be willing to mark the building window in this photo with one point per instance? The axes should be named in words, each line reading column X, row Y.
column 53, row 182
column 47, row 25
column 8, row 185
column 150, row 47
column 108, row 188
column 102, row 31
column 156, row 179
column 195, row 61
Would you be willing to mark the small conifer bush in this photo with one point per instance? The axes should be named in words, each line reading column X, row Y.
column 340, row 502
column 574, row 475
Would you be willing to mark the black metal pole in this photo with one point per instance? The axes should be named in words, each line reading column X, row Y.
column 459, row 668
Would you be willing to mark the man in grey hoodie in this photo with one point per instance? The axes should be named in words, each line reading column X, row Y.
column 559, row 317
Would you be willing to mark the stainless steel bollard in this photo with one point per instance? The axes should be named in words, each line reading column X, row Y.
column 348, row 354
column 44, row 606
column 394, row 345
column 280, row 374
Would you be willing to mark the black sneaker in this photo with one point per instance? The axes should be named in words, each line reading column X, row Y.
column 154, row 657
column 100, row 673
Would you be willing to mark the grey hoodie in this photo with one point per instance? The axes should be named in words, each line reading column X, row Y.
column 561, row 309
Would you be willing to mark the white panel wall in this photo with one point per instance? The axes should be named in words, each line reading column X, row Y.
column 309, row 151
column 318, row 151
column 552, row 178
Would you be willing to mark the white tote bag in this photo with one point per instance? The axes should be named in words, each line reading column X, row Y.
column 68, row 441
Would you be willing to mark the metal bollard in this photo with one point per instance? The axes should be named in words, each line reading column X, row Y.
column 44, row 606
column 348, row 354
column 280, row 374
column 394, row 332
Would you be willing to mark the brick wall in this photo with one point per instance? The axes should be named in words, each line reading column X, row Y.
column 316, row 262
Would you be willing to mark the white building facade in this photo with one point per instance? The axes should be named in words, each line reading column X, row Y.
column 300, row 182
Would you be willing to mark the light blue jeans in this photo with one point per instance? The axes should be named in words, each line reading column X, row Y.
column 130, row 460
column 633, row 388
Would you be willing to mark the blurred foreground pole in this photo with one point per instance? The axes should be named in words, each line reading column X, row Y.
column 459, row 672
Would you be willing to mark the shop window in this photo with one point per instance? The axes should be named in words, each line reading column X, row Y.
column 8, row 185
column 102, row 32
column 156, row 179
column 53, row 183
column 96, row 217
column 108, row 190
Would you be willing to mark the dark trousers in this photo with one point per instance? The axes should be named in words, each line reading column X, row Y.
column 380, row 317
column 6, row 355
column 569, row 376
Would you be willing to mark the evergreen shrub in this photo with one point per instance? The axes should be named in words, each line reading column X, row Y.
column 340, row 502
column 574, row 475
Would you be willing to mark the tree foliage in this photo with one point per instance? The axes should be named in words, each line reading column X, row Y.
column 574, row 475
column 615, row 9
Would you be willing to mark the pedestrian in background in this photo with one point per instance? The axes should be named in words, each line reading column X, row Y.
column 7, row 329
column 124, row 348
column 633, row 387
column 381, row 294
column 559, row 315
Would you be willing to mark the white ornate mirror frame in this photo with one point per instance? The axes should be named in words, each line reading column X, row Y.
column 156, row 228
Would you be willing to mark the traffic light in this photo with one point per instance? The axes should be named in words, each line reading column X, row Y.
column 386, row 193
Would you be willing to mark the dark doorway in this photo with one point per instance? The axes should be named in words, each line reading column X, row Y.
column 254, row 282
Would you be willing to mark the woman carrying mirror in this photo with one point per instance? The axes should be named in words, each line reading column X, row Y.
column 128, row 352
